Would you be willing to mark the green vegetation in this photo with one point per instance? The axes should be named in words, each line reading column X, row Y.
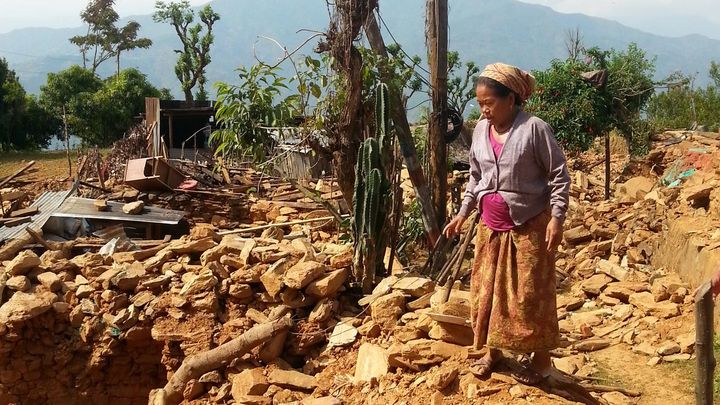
column 98, row 111
column 23, row 123
column 245, row 112
column 682, row 106
column 579, row 111
column 370, row 200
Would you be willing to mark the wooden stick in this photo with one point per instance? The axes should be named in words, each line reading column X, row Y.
column 17, row 173
column 262, row 227
column 199, row 364
column 609, row 388
column 38, row 238
column 705, row 365
column 459, row 258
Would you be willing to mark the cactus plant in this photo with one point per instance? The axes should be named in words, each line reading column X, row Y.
column 370, row 200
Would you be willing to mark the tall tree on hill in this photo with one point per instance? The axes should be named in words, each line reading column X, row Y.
column 127, row 40
column 104, row 39
column 96, row 45
column 196, row 40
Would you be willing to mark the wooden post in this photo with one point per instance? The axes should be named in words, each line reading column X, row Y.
column 704, row 331
column 607, row 166
column 170, row 129
column 67, row 143
column 402, row 127
column 437, row 42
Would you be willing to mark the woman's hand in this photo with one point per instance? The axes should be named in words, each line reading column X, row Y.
column 454, row 227
column 553, row 234
column 715, row 284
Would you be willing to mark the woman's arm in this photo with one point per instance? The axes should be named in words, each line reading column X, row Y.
column 551, row 158
column 470, row 200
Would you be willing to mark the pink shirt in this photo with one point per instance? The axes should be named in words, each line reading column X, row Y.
column 495, row 211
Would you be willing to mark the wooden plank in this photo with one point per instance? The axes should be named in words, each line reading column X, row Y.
column 298, row 205
column 335, row 195
column 263, row 227
column 288, row 196
column 17, row 221
column 26, row 212
column 13, row 195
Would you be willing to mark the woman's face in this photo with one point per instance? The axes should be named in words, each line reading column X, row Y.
column 496, row 109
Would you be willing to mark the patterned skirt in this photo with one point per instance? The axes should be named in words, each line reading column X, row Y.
column 513, row 289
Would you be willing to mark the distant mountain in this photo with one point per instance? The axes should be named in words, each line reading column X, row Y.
column 484, row 31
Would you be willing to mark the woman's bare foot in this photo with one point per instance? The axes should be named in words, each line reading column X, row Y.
column 484, row 366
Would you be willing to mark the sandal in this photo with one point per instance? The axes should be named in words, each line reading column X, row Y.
column 528, row 376
column 482, row 367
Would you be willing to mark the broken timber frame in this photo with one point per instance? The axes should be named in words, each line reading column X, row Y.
column 402, row 128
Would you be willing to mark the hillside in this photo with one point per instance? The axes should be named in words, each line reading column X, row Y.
column 482, row 30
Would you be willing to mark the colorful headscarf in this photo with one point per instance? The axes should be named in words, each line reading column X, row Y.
column 517, row 80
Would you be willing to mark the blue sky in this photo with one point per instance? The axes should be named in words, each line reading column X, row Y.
column 664, row 17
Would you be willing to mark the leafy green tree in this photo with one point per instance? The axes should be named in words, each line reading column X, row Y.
column 104, row 39
column 460, row 87
column 575, row 110
column 97, row 111
column 115, row 105
column 682, row 105
column 12, row 100
column 245, row 111
column 194, row 57
column 23, row 125
column 579, row 111
column 630, row 85
column 100, row 17
column 67, row 95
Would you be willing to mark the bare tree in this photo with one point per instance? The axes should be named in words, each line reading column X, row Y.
column 573, row 43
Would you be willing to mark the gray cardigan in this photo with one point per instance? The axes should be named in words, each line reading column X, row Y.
column 530, row 174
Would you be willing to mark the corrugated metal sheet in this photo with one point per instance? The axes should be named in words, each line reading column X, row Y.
column 75, row 207
column 46, row 204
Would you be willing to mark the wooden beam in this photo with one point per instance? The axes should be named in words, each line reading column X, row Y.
column 17, row 173
column 437, row 30
column 263, row 227
column 402, row 128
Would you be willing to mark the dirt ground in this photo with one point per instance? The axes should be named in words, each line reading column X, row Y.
column 47, row 164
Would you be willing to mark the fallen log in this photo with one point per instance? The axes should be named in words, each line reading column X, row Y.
column 199, row 364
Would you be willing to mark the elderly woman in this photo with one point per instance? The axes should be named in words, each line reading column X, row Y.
column 519, row 184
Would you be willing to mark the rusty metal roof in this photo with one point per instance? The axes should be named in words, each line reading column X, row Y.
column 75, row 207
column 46, row 204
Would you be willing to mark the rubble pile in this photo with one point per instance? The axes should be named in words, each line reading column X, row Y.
column 77, row 325
column 184, row 297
